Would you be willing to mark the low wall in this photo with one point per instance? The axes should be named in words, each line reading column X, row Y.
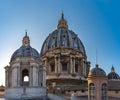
column 78, row 97
column 56, row 97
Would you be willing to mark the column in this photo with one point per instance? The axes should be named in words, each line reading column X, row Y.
column 14, row 77
column 47, row 66
column 84, row 67
column 81, row 67
column 40, row 75
column 35, row 76
column 59, row 66
column 56, row 64
column 18, row 76
column 71, row 64
column 45, row 61
column 44, row 77
column 30, row 76
column 6, row 78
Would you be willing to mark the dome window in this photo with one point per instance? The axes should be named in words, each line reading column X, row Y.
column 104, row 91
column 75, row 45
column 53, row 43
column 64, row 43
column 64, row 67
column 52, row 67
column 76, row 68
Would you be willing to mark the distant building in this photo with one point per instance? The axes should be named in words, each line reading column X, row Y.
column 97, row 84
column 25, row 77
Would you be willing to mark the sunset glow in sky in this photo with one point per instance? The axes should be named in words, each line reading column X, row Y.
column 96, row 22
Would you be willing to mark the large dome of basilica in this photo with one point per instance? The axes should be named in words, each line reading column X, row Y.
column 62, row 37
column 26, row 50
column 64, row 56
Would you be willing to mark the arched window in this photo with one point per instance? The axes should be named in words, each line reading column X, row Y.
column 75, row 45
column 53, row 43
column 76, row 68
column 92, row 92
column 64, row 41
column 104, row 91
column 25, row 77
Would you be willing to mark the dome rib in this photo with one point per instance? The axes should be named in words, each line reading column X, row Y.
column 25, row 50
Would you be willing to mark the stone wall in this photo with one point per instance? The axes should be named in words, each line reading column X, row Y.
column 19, row 93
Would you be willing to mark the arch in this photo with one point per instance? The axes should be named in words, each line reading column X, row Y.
column 92, row 91
column 104, row 91
column 25, row 77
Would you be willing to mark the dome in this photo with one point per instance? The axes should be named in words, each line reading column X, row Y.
column 113, row 74
column 97, row 71
column 26, row 50
column 62, row 37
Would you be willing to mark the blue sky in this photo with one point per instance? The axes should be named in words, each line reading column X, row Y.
column 97, row 23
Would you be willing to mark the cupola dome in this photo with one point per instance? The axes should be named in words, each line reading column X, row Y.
column 113, row 74
column 26, row 50
column 97, row 71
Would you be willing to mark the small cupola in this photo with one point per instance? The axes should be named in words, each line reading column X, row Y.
column 112, row 69
column 113, row 74
column 62, row 22
column 26, row 40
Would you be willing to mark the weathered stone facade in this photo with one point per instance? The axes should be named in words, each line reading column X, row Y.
column 25, row 77
column 65, row 58
column 97, row 84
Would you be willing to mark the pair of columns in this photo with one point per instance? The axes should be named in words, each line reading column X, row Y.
column 72, row 65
